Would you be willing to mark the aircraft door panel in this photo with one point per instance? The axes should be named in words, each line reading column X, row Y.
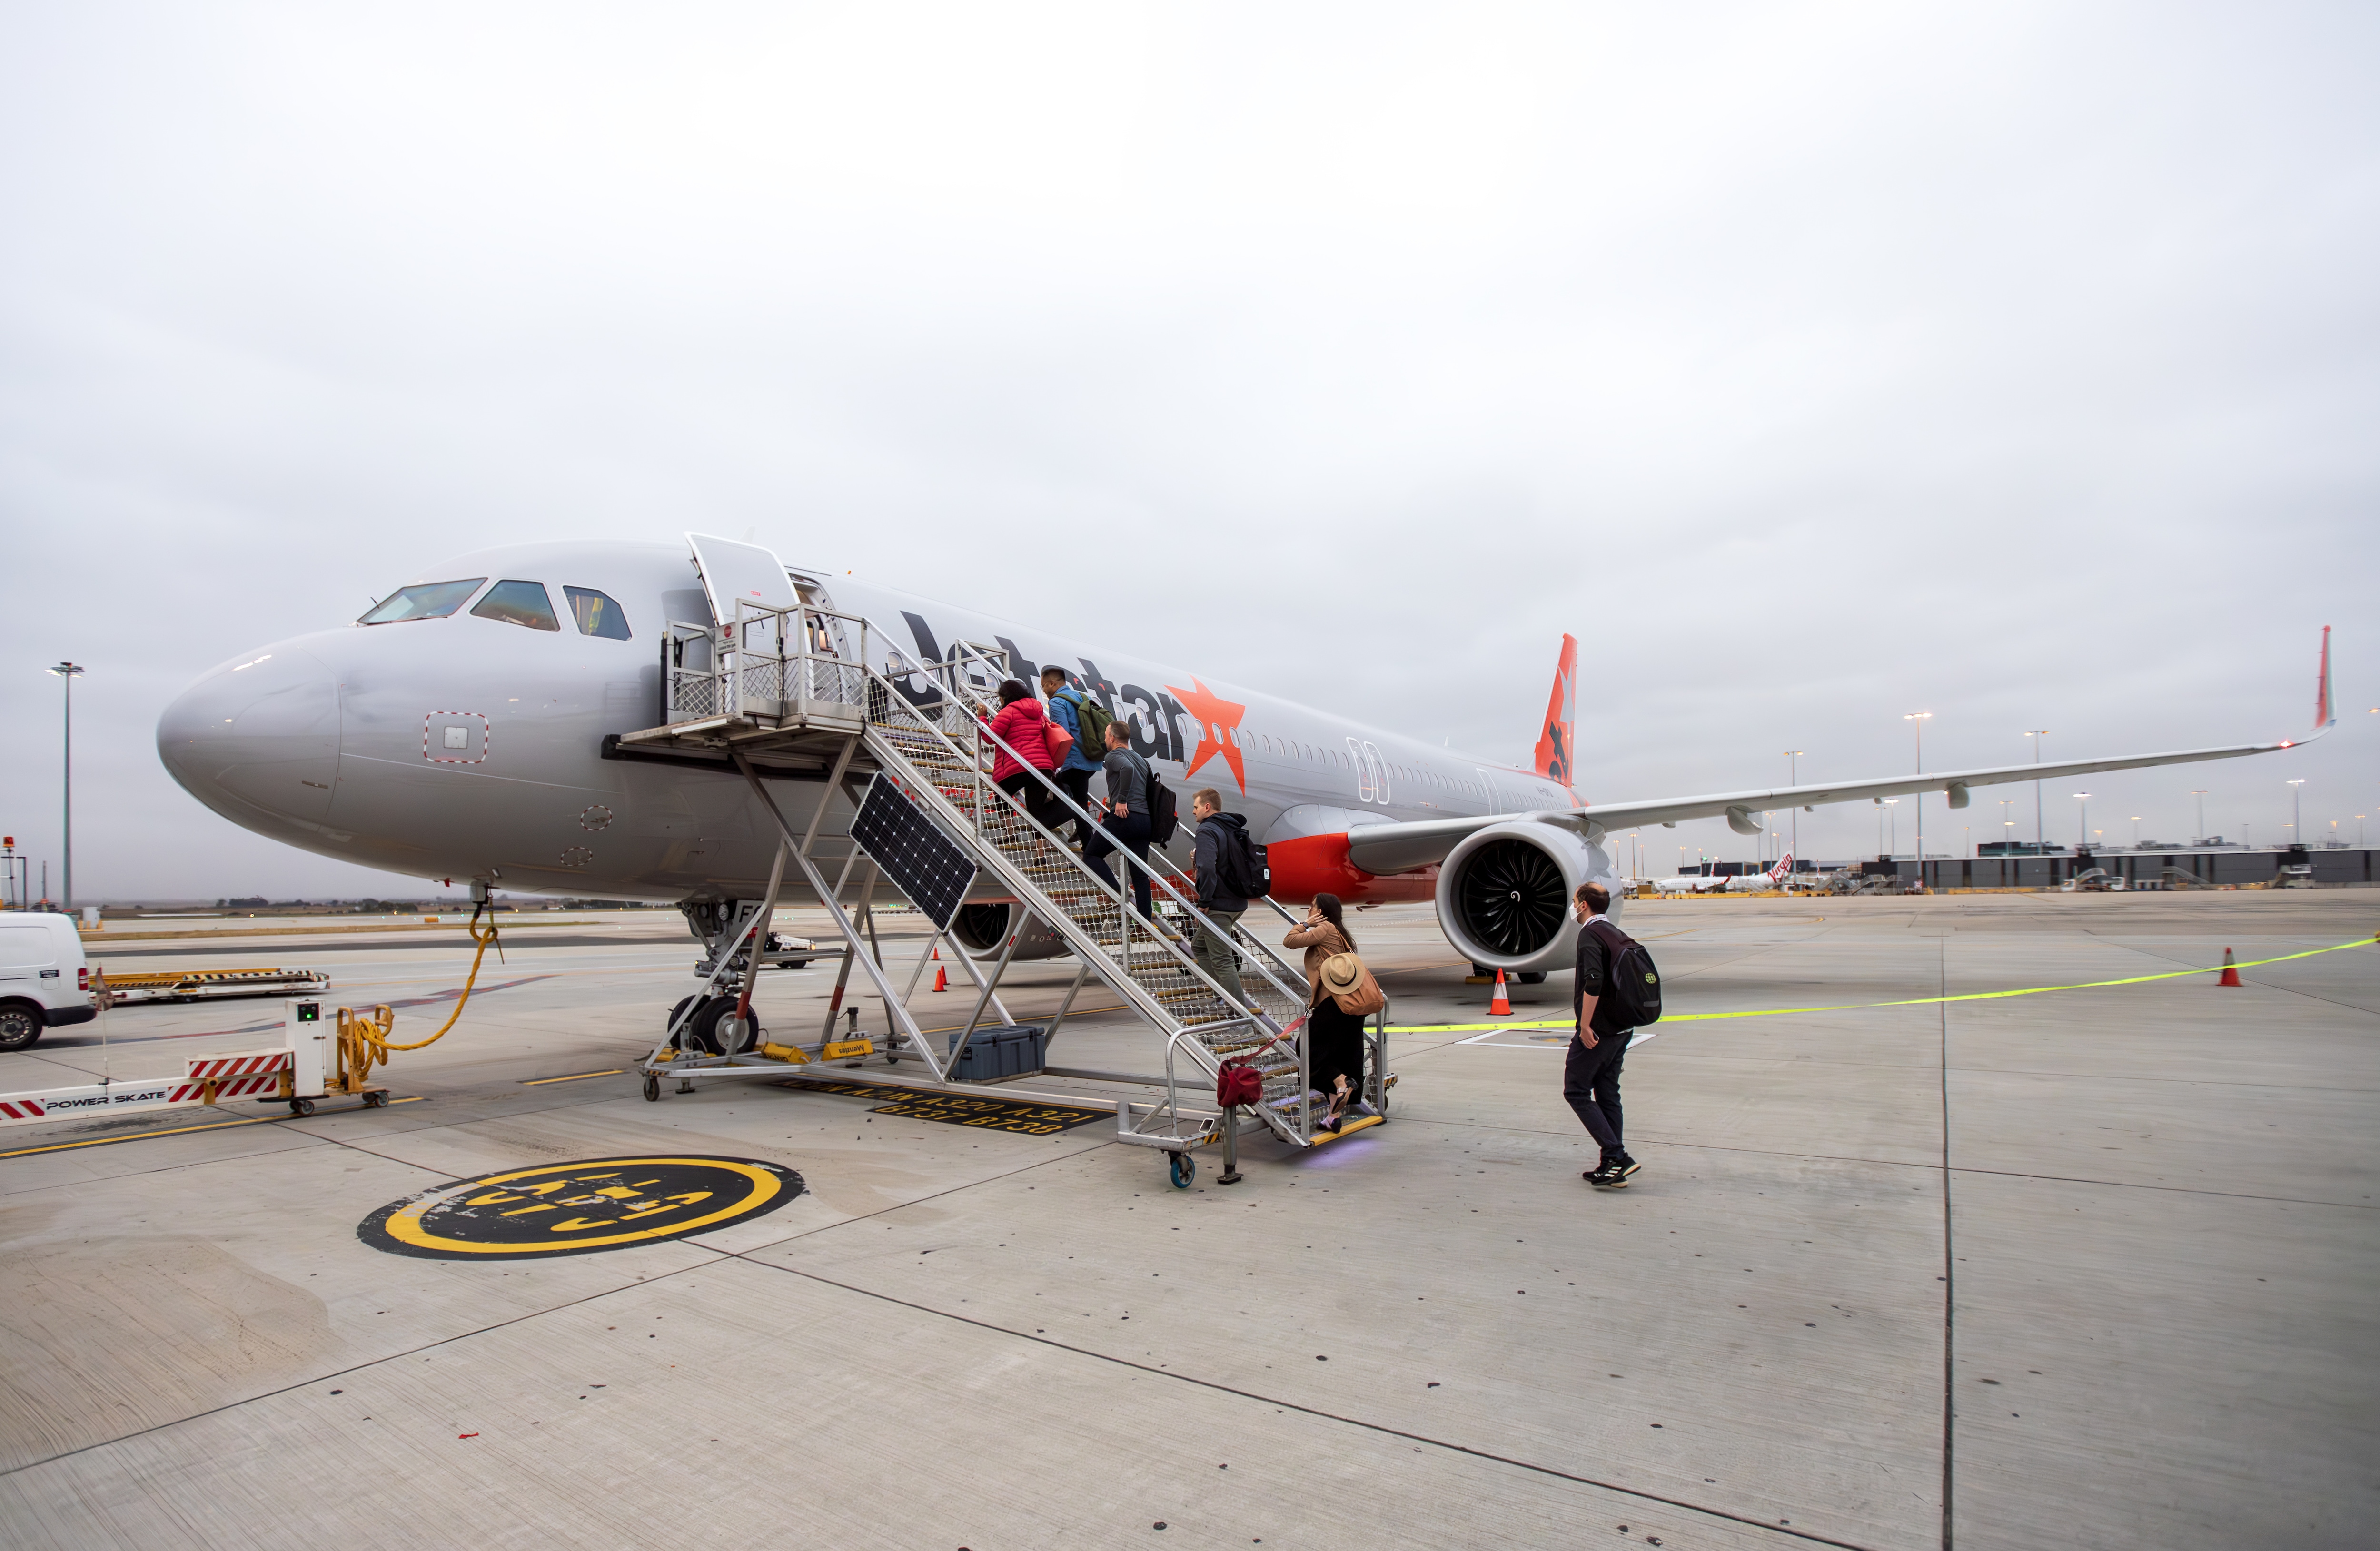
column 734, row 573
column 1367, row 790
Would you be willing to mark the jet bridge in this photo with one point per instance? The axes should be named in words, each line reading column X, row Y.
column 777, row 684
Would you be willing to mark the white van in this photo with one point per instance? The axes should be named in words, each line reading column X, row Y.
column 44, row 981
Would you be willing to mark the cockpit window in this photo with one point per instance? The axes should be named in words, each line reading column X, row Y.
column 519, row 603
column 422, row 600
column 596, row 614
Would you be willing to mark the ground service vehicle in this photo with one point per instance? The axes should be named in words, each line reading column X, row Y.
column 45, row 983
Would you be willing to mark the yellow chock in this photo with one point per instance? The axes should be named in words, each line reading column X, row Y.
column 784, row 1052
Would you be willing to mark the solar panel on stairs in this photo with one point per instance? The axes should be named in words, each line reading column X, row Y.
column 922, row 862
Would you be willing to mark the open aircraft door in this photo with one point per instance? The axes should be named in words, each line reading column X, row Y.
column 733, row 573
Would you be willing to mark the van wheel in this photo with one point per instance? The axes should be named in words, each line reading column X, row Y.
column 20, row 1026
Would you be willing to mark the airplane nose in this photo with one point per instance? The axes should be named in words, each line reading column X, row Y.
column 257, row 740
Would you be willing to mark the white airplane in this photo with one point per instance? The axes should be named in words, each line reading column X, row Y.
column 1763, row 882
column 470, row 725
column 1692, row 883
column 1727, row 883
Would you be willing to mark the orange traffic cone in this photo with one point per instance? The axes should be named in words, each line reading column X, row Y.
column 1502, row 1006
column 2231, row 976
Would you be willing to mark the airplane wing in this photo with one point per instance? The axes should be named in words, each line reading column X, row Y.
column 1390, row 848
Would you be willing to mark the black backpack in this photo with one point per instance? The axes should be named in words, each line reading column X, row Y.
column 1633, row 990
column 1163, row 816
column 1237, row 867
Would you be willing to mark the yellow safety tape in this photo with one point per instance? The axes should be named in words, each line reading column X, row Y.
column 1912, row 1001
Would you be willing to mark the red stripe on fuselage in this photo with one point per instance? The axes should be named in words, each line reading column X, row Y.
column 1317, row 864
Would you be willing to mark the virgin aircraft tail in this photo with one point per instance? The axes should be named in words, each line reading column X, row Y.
column 2323, row 714
column 1556, row 742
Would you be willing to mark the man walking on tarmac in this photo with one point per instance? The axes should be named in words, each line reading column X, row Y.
column 1222, row 838
column 1591, row 1073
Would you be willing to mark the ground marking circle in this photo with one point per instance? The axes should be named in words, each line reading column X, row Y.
column 578, row 1207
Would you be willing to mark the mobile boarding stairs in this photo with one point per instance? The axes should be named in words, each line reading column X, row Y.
column 808, row 689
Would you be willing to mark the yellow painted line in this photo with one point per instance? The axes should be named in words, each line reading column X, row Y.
column 574, row 1077
column 180, row 1131
column 1912, row 1001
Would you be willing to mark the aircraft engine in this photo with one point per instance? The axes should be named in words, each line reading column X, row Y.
column 982, row 930
column 1504, row 893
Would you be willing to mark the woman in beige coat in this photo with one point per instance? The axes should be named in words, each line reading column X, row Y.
column 1334, row 1040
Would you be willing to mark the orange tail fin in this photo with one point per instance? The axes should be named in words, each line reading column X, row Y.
column 1556, row 744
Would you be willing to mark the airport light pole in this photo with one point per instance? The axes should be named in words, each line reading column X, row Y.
column 1890, row 804
column 2083, row 820
column 2296, row 829
column 69, row 673
column 1792, row 778
column 2136, row 832
column 2200, row 793
column 1916, row 720
column 2036, row 734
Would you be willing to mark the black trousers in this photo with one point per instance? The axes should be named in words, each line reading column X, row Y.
column 1129, row 833
column 1077, row 785
column 1334, row 1045
column 1591, row 1084
column 1039, row 806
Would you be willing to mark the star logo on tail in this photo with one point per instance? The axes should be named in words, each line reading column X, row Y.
column 1218, row 718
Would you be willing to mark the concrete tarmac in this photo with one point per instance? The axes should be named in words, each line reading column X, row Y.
column 2087, row 1268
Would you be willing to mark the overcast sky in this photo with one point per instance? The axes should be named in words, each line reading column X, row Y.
column 1814, row 364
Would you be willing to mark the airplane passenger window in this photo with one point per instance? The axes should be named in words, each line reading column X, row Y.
column 519, row 603
column 422, row 600
column 596, row 614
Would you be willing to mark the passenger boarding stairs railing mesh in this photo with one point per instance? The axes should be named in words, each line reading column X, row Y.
column 810, row 668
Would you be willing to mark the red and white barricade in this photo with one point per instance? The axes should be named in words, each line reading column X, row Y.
column 206, row 1080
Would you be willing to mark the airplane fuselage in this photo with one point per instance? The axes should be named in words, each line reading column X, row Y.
column 470, row 746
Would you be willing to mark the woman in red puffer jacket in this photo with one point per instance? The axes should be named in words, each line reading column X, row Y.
column 1023, row 727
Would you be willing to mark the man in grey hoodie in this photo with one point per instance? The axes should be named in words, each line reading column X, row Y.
column 1220, row 834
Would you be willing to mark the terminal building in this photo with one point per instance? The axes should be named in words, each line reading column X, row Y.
column 2216, row 866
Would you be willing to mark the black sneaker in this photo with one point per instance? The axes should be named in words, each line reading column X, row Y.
column 1610, row 1176
column 1625, row 1164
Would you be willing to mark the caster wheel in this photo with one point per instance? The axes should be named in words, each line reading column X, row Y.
column 375, row 1101
column 652, row 1090
column 1181, row 1168
column 301, row 1105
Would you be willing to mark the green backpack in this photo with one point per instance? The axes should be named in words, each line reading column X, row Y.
column 1094, row 720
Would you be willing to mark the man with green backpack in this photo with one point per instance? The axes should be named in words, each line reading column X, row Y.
column 1082, row 716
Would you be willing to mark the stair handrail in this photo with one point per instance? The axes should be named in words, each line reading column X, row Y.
column 1117, row 969
column 983, row 730
column 952, row 663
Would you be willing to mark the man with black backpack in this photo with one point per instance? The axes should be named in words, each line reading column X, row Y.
column 1616, row 988
column 1125, row 824
column 1226, row 865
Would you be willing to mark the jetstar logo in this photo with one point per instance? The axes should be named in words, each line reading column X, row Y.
column 1153, row 719
column 1219, row 728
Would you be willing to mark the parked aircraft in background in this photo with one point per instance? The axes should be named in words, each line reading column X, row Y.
column 468, row 726
column 1692, row 883
column 1763, row 882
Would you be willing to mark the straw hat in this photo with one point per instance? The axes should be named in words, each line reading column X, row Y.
column 1343, row 974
